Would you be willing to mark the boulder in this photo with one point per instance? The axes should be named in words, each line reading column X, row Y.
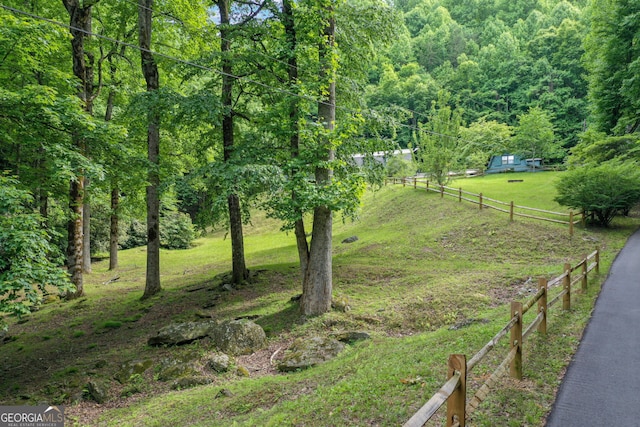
column 190, row 381
column 97, row 391
column 130, row 368
column 239, row 337
column 308, row 352
column 182, row 333
column 171, row 369
column 341, row 303
column 351, row 337
column 219, row 362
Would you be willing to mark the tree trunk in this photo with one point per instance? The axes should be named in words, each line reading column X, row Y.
column 151, row 76
column 114, row 229
column 86, row 230
column 240, row 272
column 79, row 27
column 318, row 282
column 294, row 116
column 302, row 245
column 115, row 191
column 74, row 248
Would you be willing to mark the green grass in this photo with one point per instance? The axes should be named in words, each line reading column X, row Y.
column 534, row 190
column 420, row 265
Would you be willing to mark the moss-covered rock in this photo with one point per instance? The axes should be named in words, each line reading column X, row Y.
column 190, row 382
column 218, row 362
column 171, row 369
column 97, row 391
column 182, row 333
column 308, row 352
column 239, row 337
column 130, row 368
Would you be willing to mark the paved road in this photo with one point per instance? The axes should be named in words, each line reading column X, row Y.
column 602, row 384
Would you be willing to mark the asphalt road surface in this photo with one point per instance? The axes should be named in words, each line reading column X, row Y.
column 602, row 384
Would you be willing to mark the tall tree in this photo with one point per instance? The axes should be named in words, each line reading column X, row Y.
column 83, row 68
column 534, row 136
column 152, row 77
column 318, row 280
column 239, row 267
column 294, row 117
column 438, row 140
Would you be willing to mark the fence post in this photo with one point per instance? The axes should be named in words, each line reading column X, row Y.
column 597, row 260
column 404, row 181
column 480, row 200
column 516, row 341
column 415, row 182
column 427, row 186
column 542, row 305
column 460, row 194
column 584, row 273
column 457, row 401
column 441, row 191
column 511, row 212
column 566, row 299
column 570, row 223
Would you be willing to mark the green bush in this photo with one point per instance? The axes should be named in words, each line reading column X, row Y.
column 399, row 167
column 27, row 258
column 176, row 230
column 136, row 235
column 602, row 192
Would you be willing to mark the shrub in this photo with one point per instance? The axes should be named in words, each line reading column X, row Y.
column 136, row 235
column 176, row 230
column 399, row 167
column 602, row 192
column 26, row 256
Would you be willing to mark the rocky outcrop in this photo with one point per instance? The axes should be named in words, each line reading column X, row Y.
column 130, row 368
column 238, row 337
column 351, row 336
column 218, row 362
column 97, row 391
column 182, row 333
column 174, row 368
column 190, row 381
column 307, row 352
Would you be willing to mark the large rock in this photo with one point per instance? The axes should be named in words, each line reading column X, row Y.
column 130, row 368
column 239, row 337
column 97, row 391
column 351, row 336
column 219, row 362
column 190, row 381
column 174, row 368
column 182, row 333
column 307, row 352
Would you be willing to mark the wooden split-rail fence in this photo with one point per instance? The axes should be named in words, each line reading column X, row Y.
column 454, row 392
column 570, row 219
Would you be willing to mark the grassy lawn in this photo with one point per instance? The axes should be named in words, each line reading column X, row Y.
column 421, row 265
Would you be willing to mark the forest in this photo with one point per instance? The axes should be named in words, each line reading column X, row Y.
column 130, row 123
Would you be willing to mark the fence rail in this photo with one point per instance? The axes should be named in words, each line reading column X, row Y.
column 454, row 391
column 485, row 202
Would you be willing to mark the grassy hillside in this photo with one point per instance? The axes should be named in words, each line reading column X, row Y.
column 421, row 264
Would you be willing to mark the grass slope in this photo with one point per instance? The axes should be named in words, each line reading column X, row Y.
column 420, row 265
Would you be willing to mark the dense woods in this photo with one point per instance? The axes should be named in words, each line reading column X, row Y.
column 209, row 109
